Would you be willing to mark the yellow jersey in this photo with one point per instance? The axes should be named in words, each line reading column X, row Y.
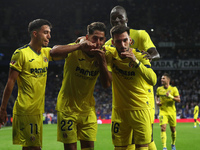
column 79, row 79
column 130, row 81
column 140, row 40
column 196, row 111
column 32, row 79
column 167, row 104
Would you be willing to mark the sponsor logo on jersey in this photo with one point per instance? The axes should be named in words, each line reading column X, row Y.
column 38, row 70
column 86, row 72
column 123, row 72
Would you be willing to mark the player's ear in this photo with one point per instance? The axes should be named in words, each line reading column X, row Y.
column 34, row 33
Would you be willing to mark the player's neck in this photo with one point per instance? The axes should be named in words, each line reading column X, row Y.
column 166, row 86
column 35, row 47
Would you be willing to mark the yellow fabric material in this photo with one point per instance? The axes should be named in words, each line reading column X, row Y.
column 173, row 136
column 163, row 138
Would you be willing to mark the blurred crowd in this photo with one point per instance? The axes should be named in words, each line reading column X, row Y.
column 165, row 21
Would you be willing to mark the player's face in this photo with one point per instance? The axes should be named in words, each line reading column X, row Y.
column 98, row 37
column 164, row 80
column 118, row 17
column 43, row 35
column 121, row 42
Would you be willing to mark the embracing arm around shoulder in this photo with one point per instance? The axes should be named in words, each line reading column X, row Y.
column 64, row 50
column 154, row 55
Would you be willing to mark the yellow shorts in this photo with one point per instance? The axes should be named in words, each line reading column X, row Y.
column 165, row 119
column 27, row 130
column 131, row 123
column 71, row 128
column 196, row 116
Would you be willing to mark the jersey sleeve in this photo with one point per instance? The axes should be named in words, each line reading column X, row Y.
column 144, row 68
column 47, row 53
column 145, row 40
column 16, row 62
column 176, row 92
column 109, row 42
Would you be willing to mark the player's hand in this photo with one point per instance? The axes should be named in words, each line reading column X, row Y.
column 80, row 39
column 3, row 116
column 146, row 55
column 86, row 45
column 169, row 95
column 158, row 103
column 129, row 54
column 99, row 54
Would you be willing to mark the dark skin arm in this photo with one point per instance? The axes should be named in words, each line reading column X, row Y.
column 151, row 54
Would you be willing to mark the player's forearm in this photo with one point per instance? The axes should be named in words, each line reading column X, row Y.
column 148, row 74
column 177, row 99
column 63, row 50
column 154, row 53
column 6, row 95
column 105, row 75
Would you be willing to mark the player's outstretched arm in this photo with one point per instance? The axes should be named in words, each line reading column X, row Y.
column 64, row 50
column 13, row 74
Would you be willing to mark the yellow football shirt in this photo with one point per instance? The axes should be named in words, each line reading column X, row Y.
column 32, row 79
column 196, row 111
column 129, row 81
column 140, row 40
column 168, row 104
column 79, row 79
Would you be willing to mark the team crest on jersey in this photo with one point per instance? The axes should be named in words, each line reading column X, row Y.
column 65, row 135
column 45, row 59
column 131, row 64
column 32, row 138
column 13, row 62
column 132, row 42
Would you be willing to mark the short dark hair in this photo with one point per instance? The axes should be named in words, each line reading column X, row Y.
column 119, row 29
column 37, row 24
column 167, row 75
column 96, row 26
column 119, row 8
